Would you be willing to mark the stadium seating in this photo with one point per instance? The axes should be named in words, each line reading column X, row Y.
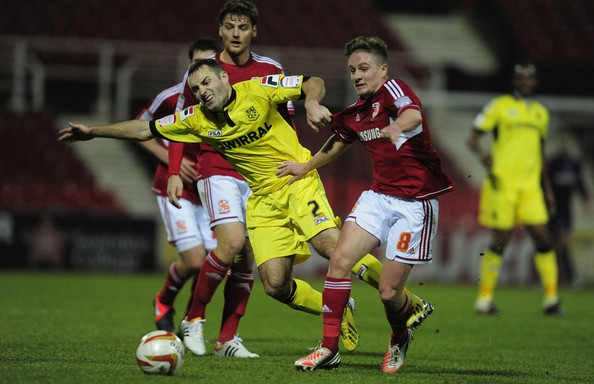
column 39, row 172
column 303, row 23
column 552, row 31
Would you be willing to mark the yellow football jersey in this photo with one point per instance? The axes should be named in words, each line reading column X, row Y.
column 519, row 128
column 250, row 133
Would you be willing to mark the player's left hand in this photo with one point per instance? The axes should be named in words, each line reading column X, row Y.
column 317, row 116
column 287, row 168
column 391, row 132
column 76, row 132
column 175, row 186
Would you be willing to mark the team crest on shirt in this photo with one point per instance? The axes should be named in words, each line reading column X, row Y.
column 181, row 227
column 165, row 121
column 224, row 206
column 376, row 108
column 252, row 113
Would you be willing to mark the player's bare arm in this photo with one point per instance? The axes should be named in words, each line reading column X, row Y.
column 157, row 150
column 317, row 115
column 408, row 120
column 333, row 148
column 131, row 130
column 474, row 142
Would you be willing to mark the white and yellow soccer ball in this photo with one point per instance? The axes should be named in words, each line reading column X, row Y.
column 160, row 353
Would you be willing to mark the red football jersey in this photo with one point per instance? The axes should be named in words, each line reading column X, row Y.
column 162, row 105
column 409, row 169
column 210, row 162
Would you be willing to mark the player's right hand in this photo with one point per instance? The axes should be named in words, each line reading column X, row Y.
column 175, row 186
column 76, row 132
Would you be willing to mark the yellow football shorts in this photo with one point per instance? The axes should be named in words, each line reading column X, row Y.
column 280, row 223
column 504, row 207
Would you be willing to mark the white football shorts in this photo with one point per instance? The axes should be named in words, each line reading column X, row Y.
column 187, row 227
column 224, row 198
column 406, row 226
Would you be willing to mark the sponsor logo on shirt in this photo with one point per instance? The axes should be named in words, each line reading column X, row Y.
column 215, row 133
column 291, row 81
column 321, row 220
column 252, row 114
column 242, row 140
column 186, row 113
column 370, row 134
column 165, row 121
column 270, row 81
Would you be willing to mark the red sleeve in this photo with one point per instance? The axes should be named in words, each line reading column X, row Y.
column 176, row 152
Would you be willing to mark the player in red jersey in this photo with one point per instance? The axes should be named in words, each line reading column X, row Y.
column 400, row 208
column 187, row 228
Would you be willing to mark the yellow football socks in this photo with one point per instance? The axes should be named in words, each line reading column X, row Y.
column 546, row 265
column 489, row 273
column 369, row 270
column 305, row 298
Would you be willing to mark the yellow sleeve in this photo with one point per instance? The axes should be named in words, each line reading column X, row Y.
column 278, row 88
column 486, row 120
column 183, row 126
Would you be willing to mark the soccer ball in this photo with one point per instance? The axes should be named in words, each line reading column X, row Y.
column 160, row 353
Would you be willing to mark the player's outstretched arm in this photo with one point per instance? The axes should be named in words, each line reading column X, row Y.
column 131, row 130
column 330, row 151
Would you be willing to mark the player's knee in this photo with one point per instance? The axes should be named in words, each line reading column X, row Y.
column 231, row 246
column 340, row 262
column 388, row 293
column 193, row 265
column 280, row 292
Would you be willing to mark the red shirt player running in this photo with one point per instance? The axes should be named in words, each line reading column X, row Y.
column 400, row 209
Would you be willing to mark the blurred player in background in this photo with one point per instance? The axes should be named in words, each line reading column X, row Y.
column 219, row 182
column 187, row 228
column 516, row 190
column 566, row 173
column 400, row 209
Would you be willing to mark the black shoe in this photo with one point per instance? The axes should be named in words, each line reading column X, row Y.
column 555, row 310
column 163, row 315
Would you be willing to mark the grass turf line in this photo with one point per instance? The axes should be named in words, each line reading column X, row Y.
column 77, row 327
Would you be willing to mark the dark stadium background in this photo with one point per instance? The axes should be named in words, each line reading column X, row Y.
column 103, row 60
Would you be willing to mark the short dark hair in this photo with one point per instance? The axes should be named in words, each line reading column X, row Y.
column 211, row 63
column 239, row 8
column 372, row 44
column 202, row 44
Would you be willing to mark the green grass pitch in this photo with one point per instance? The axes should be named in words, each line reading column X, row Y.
column 83, row 328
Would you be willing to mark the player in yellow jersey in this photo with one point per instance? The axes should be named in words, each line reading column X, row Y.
column 516, row 190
